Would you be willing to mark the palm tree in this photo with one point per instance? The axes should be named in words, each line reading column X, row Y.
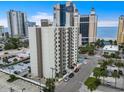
column 115, row 42
column 97, row 72
column 119, row 64
column 50, row 85
column 15, row 59
column 115, row 75
column 104, row 74
column 5, row 59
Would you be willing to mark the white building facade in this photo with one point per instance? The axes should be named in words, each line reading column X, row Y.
column 55, row 47
column 66, row 45
column 1, row 31
column 42, row 51
column 66, row 22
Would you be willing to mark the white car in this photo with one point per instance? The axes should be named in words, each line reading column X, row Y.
column 108, row 83
column 85, row 62
column 66, row 79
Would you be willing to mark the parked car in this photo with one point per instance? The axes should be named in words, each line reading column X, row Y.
column 76, row 70
column 71, row 75
column 72, row 67
column 113, row 65
column 108, row 83
column 64, row 72
column 1, row 49
column 85, row 58
column 66, row 79
column 120, row 72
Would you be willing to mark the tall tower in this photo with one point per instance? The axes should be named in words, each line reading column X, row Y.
column 64, row 14
column 1, row 31
column 55, row 46
column 88, row 27
column 17, row 22
column 66, row 22
column 120, row 35
column 92, row 26
column 41, row 41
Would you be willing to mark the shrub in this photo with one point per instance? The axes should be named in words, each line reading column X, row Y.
column 12, row 78
column 15, row 60
column 6, row 53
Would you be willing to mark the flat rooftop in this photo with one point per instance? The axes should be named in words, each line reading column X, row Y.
column 17, row 85
column 111, row 48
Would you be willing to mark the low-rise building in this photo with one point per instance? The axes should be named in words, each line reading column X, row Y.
column 110, row 49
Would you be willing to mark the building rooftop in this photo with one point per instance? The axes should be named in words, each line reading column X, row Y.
column 17, row 85
column 111, row 48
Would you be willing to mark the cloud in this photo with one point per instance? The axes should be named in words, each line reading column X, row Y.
column 107, row 23
column 35, row 18
column 40, row 15
column 3, row 22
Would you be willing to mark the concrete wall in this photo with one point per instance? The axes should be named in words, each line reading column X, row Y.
column 42, row 51
column 33, row 51
column 48, row 51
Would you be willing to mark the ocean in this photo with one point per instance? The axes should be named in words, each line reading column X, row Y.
column 102, row 32
column 107, row 32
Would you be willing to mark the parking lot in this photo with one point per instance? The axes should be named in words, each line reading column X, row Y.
column 12, row 61
column 19, row 69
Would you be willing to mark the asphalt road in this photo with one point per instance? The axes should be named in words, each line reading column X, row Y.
column 74, row 84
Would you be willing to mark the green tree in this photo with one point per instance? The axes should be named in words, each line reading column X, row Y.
column 98, row 42
column 50, row 85
column 12, row 78
column 115, row 42
column 15, row 59
column 111, row 42
column 97, row 72
column 119, row 64
column 115, row 75
column 92, row 83
column 104, row 74
column 5, row 59
column 12, row 43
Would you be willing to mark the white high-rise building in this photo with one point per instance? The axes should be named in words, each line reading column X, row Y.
column 1, row 31
column 66, row 21
column 52, row 47
column 66, row 45
column 61, row 40
column 17, row 23
column 92, row 26
column 41, row 42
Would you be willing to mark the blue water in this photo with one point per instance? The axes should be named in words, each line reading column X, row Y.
column 107, row 32
column 102, row 32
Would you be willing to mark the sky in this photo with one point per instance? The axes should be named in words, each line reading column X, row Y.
column 108, row 12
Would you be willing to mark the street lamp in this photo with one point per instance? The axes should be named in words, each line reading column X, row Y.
column 52, row 71
column 40, row 84
column 23, row 89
